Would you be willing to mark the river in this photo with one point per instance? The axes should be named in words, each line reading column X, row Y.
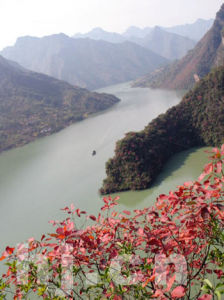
column 38, row 179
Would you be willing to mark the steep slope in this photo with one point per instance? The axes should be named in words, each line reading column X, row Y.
column 169, row 45
column 84, row 62
column 207, row 54
column 100, row 34
column 197, row 121
column 194, row 31
column 33, row 105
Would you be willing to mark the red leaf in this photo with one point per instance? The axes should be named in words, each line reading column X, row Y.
column 61, row 236
column 127, row 212
column 9, row 250
column 178, row 292
column 2, row 258
column 117, row 297
column 92, row 218
column 222, row 149
column 105, row 200
column 208, row 169
column 201, row 177
column 144, row 284
column 219, row 167
column 170, row 283
column 205, row 297
column 140, row 231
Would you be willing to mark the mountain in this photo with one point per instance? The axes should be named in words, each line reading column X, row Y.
column 34, row 105
column 194, row 31
column 197, row 121
column 169, row 45
column 100, row 34
column 207, row 54
column 137, row 32
column 83, row 62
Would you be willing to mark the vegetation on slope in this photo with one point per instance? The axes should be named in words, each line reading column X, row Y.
column 168, row 251
column 198, row 120
column 182, row 74
column 33, row 105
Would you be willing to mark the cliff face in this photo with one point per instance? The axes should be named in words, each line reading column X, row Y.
column 197, row 121
column 207, row 54
column 84, row 62
column 33, row 104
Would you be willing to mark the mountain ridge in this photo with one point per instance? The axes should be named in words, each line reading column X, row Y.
column 182, row 74
column 100, row 34
column 195, row 31
column 33, row 105
column 84, row 62
column 169, row 45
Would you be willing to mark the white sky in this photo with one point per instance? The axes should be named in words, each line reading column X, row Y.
column 44, row 17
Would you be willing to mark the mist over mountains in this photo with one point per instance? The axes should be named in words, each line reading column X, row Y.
column 194, row 31
column 182, row 74
column 170, row 42
column 84, row 62
column 99, row 58
column 169, row 45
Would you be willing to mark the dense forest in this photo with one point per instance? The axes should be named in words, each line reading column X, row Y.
column 197, row 121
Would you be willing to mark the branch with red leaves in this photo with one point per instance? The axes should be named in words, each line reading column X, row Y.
column 168, row 251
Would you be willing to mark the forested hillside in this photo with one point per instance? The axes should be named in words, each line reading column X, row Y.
column 33, row 105
column 197, row 121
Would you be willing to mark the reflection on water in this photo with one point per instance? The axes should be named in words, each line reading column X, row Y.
column 183, row 167
column 42, row 177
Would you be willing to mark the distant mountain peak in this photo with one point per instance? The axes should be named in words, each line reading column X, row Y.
column 21, row 39
column 100, row 34
column 57, row 36
column 158, row 28
column 86, row 62
column 134, row 31
column 97, row 29
column 207, row 54
column 26, row 38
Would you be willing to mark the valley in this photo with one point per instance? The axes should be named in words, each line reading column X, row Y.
column 111, row 150
column 38, row 179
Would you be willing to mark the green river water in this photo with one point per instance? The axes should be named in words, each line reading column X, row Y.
column 40, row 178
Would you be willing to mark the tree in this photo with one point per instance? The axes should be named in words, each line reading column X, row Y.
column 173, row 250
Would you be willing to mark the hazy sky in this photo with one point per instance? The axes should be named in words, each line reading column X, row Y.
column 43, row 17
